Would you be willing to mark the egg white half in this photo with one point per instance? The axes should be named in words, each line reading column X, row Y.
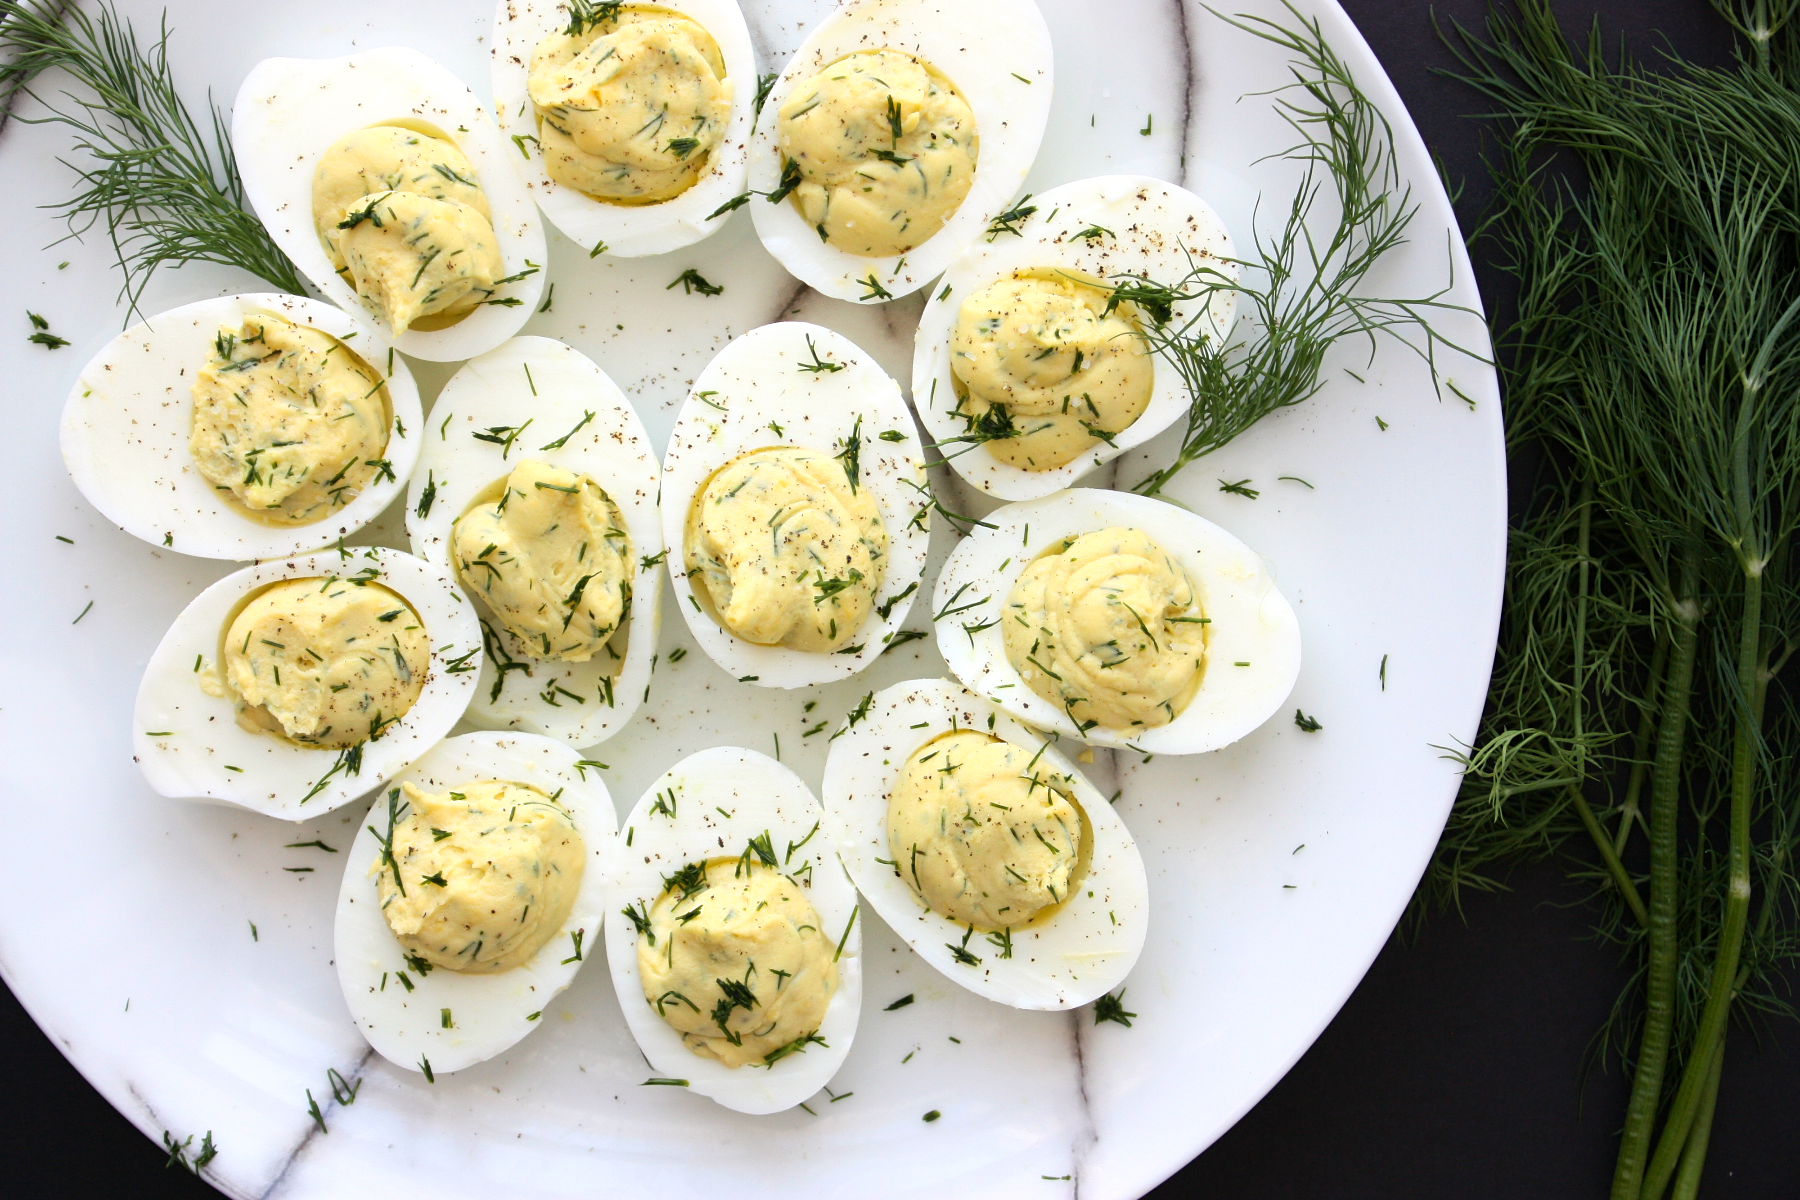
column 1071, row 958
column 189, row 746
column 612, row 449
column 723, row 797
column 626, row 230
column 998, row 55
column 1251, row 622
column 126, row 424
column 759, row 379
column 289, row 111
column 489, row 1013
column 1157, row 231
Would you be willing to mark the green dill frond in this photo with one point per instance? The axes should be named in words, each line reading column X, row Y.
column 1304, row 293
column 163, row 185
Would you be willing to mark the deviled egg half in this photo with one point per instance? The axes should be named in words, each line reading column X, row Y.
column 295, row 686
column 386, row 181
column 246, row 427
column 985, row 849
column 1024, row 362
column 732, row 934
column 537, row 488
column 471, row 897
column 794, row 507
column 632, row 121
column 893, row 138
column 1120, row 620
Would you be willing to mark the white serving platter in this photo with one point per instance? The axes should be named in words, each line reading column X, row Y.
column 1277, row 867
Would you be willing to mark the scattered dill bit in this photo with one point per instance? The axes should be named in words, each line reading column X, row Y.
column 82, row 613
column 850, row 454
column 691, row 281
column 992, row 424
column 660, row 1082
column 428, row 494
column 562, row 441
column 1010, row 220
column 818, row 364
column 931, row 1116
column 1384, row 659
column 1296, row 479
column 312, row 1110
column 886, row 607
column 586, row 14
column 1149, row 123
column 872, row 289
column 549, row 297
column 1382, row 423
column 828, row 588
column 1239, row 489
column 1094, row 233
column 1112, row 1008
column 1306, row 723
column 736, row 202
column 796, row 1046
column 764, row 84
column 900, row 637
column 859, row 713
column 790, row 179
column 42, row 335
column 178, row 1152
column 681, row 147
column 343, row 1091
column 902, row 1002
column 163, row 185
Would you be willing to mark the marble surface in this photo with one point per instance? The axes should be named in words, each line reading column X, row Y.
column 1277, row 866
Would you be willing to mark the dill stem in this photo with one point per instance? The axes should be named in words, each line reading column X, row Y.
column 1620, row 877
column 1659, row 976
column 1614, row 867
column 1693, row 1155
column 1711, row 1031
column 1640, row 767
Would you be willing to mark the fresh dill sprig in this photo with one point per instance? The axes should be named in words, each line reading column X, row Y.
column 1305, row 295
column 163, row 185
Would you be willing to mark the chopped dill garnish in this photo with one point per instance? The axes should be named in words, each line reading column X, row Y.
column 1010, row 220
column 691, row 281
column 1112, row 1008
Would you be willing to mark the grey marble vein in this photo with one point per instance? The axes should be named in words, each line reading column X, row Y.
column 354, row 1078
column 1089, row 1133
column 1190, row 76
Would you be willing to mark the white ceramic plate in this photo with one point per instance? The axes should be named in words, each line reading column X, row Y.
column 1276, row 867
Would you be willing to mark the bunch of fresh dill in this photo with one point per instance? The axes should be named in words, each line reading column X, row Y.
column 165, row 189
column 1636, row 723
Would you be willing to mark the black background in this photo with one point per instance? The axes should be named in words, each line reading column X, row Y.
column 1456, row 1068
